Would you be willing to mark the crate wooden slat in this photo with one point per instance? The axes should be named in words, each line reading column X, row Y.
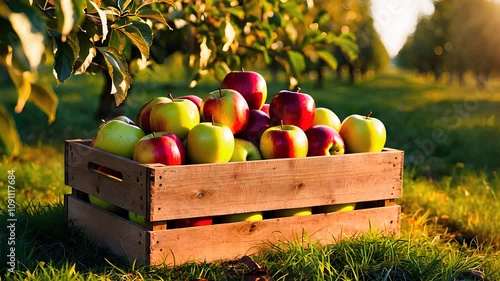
column 227, row 188
column 116, row 233
column 163, row 193
column 129, row 194
column 223, row 241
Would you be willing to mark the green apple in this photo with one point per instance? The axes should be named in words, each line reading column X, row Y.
column 254, row 216
column 104, row 205
column 209, row 142
column 134, row 217
column 325, row 116
column 244, row 151
column 117, row 137
column 363, row 133
column 178, row 117
column 337, row 208
column 296, row 212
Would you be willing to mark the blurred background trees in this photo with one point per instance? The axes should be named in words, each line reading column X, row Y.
column 460, row 37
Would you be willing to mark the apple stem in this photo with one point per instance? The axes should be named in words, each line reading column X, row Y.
column 171, row 97
column 103, row 121
column 282, row 128
column 369, row 113
column 220, row 92
column 242, row 69
column 213, row 120
column 298, row 89
column 154, row 134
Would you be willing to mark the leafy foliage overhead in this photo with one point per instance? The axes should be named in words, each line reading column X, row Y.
column 104, row 35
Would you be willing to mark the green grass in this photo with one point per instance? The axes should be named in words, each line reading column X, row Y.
column 450, row 220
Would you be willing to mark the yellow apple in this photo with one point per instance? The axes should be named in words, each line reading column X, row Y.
column 297, row 212
column 336, row 208
column 362, row 133
column 255, row 216
column 325, row 116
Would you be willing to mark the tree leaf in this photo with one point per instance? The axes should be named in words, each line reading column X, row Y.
column 118, row 71
column 123, row 4
column 230, row 35
column 117, row 40
column 87, row 61
column 23, row 90
column 21, row 79
column 46, row 99
column 297, row 63
column 221, row 70
column 9, row 134
column 154, row 15
column 149, row 2
column 235, row 11
column 292, row 9
column 64, row 57
column 328, row 57
column 104, row 21
column 347, row 43
column 140, row 34
column 25, row 33
column 70, row 14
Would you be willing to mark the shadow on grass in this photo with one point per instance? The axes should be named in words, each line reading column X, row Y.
column 42, row 235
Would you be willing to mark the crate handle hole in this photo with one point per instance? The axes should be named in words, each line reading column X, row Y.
column 105, row 171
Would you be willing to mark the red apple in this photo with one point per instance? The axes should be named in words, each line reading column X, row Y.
column 160, row 148
column 292, row 108
column 258, row 122
column 251, row 85
column 178, row 223
column 283, row 141
column 324, row 140
column 265, row 108
column 227, row 107
column 196, row 99
column 145, row 111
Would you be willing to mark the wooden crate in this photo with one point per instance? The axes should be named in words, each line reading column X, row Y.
column 164, row 193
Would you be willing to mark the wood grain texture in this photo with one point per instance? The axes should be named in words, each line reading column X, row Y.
column 121, row 236
column 131, row 193
column 228, row 188
column 162, row 193
column 233, row 240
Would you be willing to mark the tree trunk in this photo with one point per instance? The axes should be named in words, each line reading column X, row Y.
column 319, row 80
column 351, row 73
column 107, row 108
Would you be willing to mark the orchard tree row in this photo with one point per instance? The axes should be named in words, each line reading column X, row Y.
column 459, row 37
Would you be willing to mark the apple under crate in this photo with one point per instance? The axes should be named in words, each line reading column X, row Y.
column 163, row 193
column 222, row 241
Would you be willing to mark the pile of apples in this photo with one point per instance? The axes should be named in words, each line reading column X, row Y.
column 234, row 124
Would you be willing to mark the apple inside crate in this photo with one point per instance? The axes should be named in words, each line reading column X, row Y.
column 165, row 194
